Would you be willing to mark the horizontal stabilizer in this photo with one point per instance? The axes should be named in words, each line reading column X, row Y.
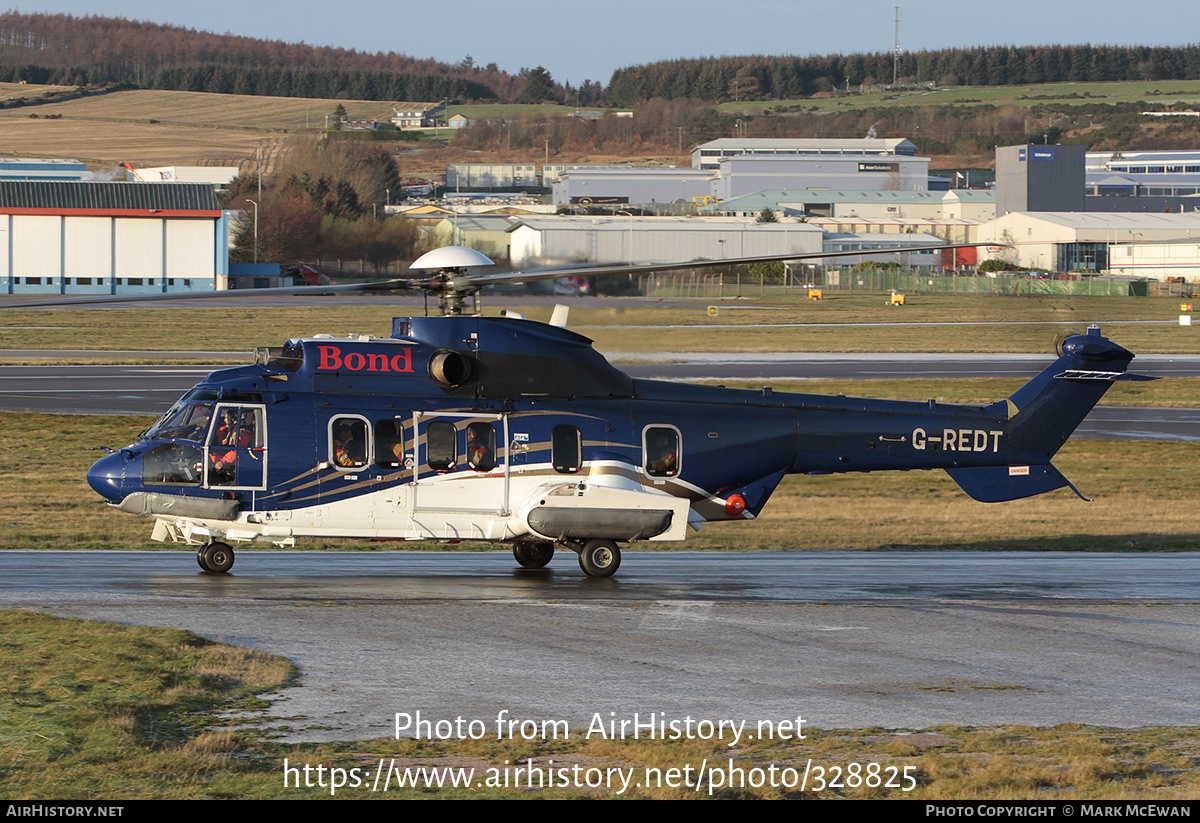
column 996, row 484
column 1080, row 374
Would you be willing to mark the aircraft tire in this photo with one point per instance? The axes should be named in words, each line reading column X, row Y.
column 215, row 557
column 600, row 558
column 533, row 555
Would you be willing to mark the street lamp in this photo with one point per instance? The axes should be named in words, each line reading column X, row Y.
column 629, row 256
column 248, row 200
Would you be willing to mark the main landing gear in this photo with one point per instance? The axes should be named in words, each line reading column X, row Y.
column 215, row 557
column 533, row 555
column 597, row 558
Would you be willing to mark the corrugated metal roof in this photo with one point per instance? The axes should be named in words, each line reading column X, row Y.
column 53, row 194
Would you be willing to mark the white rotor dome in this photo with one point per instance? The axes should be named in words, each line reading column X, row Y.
column 451, row 257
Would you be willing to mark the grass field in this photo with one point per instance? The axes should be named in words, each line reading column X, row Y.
column 159, row 128
column 776, row 321
column 155, row 128
column 1165, row 92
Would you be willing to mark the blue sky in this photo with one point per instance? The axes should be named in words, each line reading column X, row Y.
column 587, row 41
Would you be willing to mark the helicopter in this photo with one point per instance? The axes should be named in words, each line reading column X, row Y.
column 462, row 427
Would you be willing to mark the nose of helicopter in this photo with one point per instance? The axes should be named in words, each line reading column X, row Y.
column 107, row 476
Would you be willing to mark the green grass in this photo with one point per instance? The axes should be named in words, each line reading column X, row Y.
column 1165, row 92
column 93, row 711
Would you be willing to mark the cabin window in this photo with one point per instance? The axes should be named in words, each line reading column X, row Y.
column 441, row 446
column 348, row 442
column 660, row 447
column 481, row 447
column 389, row 444
column 565, row 450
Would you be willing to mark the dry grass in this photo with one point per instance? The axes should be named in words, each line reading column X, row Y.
column 11, row 91
column 162, row 128
column 778, row 321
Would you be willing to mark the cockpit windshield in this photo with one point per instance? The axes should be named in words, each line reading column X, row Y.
column 187, row 419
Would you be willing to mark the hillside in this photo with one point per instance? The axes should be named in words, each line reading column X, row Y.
column 70, row 50
column 956, row 127
column 158, row 128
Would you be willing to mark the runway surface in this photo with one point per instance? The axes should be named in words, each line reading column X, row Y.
column 845, row 639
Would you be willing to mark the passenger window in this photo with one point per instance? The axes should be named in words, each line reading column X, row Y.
column 565, row 451
column 389, row 444
column 441, row 446
column 348, row 442
column 661, row 449
column 481, row 447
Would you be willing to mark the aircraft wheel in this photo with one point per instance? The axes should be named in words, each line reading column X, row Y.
column 215, row 557
column 533, row 555
column 600, row 558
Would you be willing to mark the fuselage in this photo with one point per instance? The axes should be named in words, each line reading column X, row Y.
column 456, row 427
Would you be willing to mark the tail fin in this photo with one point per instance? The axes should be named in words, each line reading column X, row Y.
column 1043, row 413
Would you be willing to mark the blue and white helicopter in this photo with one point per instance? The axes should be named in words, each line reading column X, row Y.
column 462, row 427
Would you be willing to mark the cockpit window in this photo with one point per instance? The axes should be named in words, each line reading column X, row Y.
column 187, row 419
column 173, row 463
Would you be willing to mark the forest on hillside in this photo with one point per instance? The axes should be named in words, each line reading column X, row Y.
column 784, row 77
column 93, row 50
column 69, row 50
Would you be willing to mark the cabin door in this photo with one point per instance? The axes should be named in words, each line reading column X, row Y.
column 461, row 463
column 235, row 456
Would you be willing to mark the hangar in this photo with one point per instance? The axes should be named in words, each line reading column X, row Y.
column 110, row 238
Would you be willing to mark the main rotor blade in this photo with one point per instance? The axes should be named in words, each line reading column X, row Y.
column 533, row 275
column 400, row 284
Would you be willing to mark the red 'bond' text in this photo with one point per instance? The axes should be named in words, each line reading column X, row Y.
column 332, row 359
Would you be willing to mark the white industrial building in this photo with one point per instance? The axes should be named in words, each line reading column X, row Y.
column 28, row 168
column 1143, row 173
column 490, row 176
column 631, row 185
column 216, row 176
column 709, row 155
column 110, row 238
column 969, row 204
column 844, row 242
column 550, row 240
column 1157, row 261
column 744, row 174
column 1080, row 241
column 727, row 169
